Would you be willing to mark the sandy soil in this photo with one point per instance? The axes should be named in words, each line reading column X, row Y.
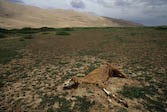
column 14, row 15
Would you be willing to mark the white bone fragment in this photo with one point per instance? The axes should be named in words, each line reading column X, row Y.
column 67, row 83
column 106, row 91
column 109, row 99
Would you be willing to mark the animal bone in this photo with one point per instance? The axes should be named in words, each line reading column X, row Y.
column 70, row 84
column 67, row 83
column 106, row 91
column 119, row 100
column 109, row 99
column 113, row 96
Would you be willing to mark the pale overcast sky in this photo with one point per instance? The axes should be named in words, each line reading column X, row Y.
column 147, row 12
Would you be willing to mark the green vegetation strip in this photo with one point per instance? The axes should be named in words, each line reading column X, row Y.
column 62, row 33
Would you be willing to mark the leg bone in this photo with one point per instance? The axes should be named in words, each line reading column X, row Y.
column 106, row 91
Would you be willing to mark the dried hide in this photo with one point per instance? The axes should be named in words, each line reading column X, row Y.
column 98, row 77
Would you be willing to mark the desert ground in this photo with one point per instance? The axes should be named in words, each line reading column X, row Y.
column 34, row 64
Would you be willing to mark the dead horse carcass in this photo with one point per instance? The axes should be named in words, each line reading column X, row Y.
column 98, row 77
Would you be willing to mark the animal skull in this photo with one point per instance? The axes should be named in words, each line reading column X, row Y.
column 70, row 84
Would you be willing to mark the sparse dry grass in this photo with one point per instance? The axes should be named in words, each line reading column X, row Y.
column 32, row 79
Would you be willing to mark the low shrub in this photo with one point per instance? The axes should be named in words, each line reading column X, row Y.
column 62, row 33
column 21, row 39
column 161, row 28
column 7, row 55
column 67, row 29
column 2, row 35
column 28, row 37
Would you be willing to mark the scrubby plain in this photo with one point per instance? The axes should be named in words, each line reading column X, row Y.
column 34, row 63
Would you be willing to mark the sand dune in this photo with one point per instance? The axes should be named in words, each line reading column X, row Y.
column 14, row 15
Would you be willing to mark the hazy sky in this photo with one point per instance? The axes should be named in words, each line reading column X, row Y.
column 147, row 12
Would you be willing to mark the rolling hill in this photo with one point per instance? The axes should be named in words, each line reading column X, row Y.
column 14, row 15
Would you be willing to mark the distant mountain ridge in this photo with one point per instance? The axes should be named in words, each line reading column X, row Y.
column 14, row 15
